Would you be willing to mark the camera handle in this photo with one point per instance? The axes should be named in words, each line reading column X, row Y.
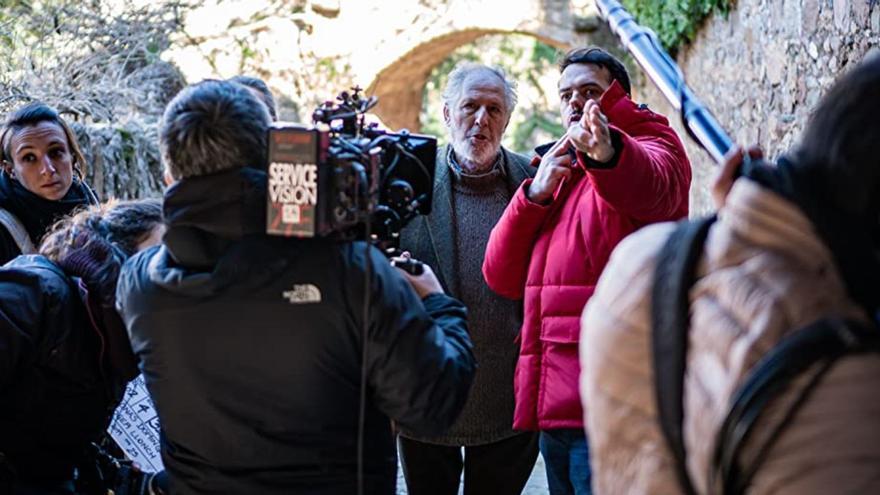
column 411, row 266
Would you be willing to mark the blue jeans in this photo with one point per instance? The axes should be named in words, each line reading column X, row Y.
column 567, row 459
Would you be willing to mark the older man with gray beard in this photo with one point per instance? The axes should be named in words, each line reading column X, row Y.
column 475, row 179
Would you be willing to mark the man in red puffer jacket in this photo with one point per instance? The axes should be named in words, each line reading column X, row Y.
column 618, row 167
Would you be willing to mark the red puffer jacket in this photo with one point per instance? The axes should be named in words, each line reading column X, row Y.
column 551, row 256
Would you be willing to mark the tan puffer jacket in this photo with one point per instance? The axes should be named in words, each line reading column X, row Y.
column 764, row 273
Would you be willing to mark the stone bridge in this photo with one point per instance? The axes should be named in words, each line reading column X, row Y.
column 403, row 60
column 388, row 47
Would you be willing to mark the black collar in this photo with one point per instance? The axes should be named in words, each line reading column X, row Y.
column 206, row 214
column 36, row 213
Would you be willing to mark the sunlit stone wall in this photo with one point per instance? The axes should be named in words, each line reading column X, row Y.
column 762, row 69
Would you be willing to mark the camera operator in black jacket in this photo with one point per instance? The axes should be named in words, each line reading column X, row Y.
column 252, row 346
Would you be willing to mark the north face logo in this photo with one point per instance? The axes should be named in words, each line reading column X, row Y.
column 302, row 294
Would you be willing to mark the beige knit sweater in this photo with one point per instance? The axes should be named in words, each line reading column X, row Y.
column 764, row 273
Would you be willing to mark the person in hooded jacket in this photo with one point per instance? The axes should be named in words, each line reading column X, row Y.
column 618, row 167
column 793, row 244
column 276, row 363
column 64, row 355
column 41, row 178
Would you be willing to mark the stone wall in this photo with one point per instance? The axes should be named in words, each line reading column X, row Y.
column 123, row 158
column 762, row 70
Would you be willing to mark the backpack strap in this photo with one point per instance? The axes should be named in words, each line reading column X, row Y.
column 670, row 318
column 822, row 342
column 17, row 231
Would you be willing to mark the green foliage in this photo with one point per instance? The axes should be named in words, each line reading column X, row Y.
column 543, row 54
column 675, row 21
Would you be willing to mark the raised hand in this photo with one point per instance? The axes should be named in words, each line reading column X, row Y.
column 555, row 167
column 728, row 172
column 591, row 135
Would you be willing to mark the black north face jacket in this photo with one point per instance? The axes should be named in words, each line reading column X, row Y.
column 252, row 346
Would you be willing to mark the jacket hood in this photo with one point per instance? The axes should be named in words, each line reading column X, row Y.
column 216, row 236
column 36, row 261
column 96, row 264
column 205, row 214
column 245, row 265
column 115, row 354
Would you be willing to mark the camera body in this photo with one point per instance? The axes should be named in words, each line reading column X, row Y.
column 344, row 179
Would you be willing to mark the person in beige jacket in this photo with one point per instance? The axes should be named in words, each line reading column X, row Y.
column 792, row 244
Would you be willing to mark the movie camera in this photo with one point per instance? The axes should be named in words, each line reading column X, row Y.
column 346, row 179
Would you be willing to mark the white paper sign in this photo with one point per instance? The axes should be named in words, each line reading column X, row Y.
column 135, row 427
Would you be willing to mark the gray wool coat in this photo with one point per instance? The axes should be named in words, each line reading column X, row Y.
column 429, row 238
column 493, row 321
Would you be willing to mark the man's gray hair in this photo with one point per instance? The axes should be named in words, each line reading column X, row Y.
column 462, row 70
column 213, row 126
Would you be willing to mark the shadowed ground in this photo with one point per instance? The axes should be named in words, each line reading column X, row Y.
column 537, row 484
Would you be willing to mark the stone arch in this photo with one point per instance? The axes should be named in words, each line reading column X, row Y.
column 397, row 63
column 400, row 85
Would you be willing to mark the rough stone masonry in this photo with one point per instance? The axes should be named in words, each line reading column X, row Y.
column 762, row 69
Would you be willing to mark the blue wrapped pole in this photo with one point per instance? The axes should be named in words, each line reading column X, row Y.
column 644, row 46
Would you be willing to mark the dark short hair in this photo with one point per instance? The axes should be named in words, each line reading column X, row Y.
column 30, row 115
column 597, row 56
column 841, row 142
column 260, row 86
column 834, row 176
column 213, row 126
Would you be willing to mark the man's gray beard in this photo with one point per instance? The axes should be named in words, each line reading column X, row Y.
column 464, row 153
